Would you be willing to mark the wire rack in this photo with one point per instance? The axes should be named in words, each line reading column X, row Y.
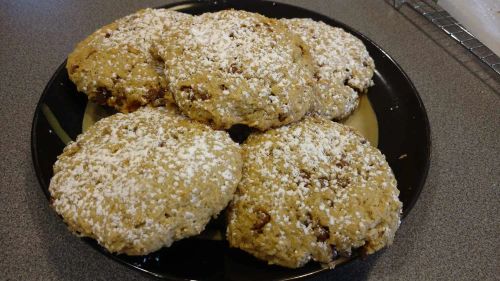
column 444, row 21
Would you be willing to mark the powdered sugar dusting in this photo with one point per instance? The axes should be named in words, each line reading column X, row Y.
column 139, row 181
column 116, row 66
column 238, row 67
column 344, row 65
column 140, row 30
column 318, row 184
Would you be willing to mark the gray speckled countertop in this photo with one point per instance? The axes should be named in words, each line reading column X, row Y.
column 451, row 234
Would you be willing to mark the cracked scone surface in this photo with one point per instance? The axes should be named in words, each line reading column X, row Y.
column 312, row 190
column 137, row 182
column 344, row 66
column 236, row 67
column 114, row 66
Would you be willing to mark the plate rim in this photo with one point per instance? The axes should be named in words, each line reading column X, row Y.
column 222, row 5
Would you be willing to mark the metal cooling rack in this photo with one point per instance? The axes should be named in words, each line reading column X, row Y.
column 440, row 18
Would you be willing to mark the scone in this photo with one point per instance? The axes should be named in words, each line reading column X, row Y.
column 137, row 182
column 236, row 67
column 313, row 189
column 344, row 66
column 114, row 65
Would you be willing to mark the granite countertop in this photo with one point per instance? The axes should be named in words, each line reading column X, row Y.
column 451, row 234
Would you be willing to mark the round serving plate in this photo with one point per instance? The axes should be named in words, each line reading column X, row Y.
column 403, row 135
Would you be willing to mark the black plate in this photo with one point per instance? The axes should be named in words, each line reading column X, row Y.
column 404, row 137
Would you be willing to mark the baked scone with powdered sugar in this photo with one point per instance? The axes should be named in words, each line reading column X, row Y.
column 137, row 182
column 236, row 67
column 114, row 65
column 312, row 190
column 344, row 66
